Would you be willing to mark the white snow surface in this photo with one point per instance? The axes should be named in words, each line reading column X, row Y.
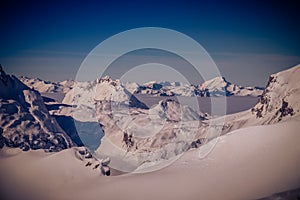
column 248, row 163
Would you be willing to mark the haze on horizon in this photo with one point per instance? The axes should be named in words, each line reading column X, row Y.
column 248, row 40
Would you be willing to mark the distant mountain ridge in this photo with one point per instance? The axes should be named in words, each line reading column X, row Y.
column 47, row 86
column 219, row 86
column 215, row 87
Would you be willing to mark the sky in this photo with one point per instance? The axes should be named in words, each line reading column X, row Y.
column 248, row 40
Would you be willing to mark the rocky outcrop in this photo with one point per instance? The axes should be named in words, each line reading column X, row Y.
column 280, row 99
column 24, row 120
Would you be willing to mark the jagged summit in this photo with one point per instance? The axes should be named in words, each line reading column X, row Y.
column 106, row 79
column 103, row 89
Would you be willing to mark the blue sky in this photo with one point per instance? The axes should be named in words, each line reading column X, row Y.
column 248, row 40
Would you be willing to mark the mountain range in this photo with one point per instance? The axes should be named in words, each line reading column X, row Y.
column 215, row 87
column 40, row 135
column 108, row 102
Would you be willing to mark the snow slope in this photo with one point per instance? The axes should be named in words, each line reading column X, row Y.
column 248, row 163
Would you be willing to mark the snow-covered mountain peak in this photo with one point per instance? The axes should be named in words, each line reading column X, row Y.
column 280, row 99
column 25, row 121
column 219, row 86
column 216, row 82
column 84, row 95
column 110, row 90
column 289, row 77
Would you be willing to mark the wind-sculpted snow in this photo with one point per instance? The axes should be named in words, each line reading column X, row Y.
column 25, row 122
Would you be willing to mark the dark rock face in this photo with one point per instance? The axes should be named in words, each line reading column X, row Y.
column 285, row 110
column 128, row 140
column 157, row 86
column 197, row 143
column 134, row 102
column 263, row 103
